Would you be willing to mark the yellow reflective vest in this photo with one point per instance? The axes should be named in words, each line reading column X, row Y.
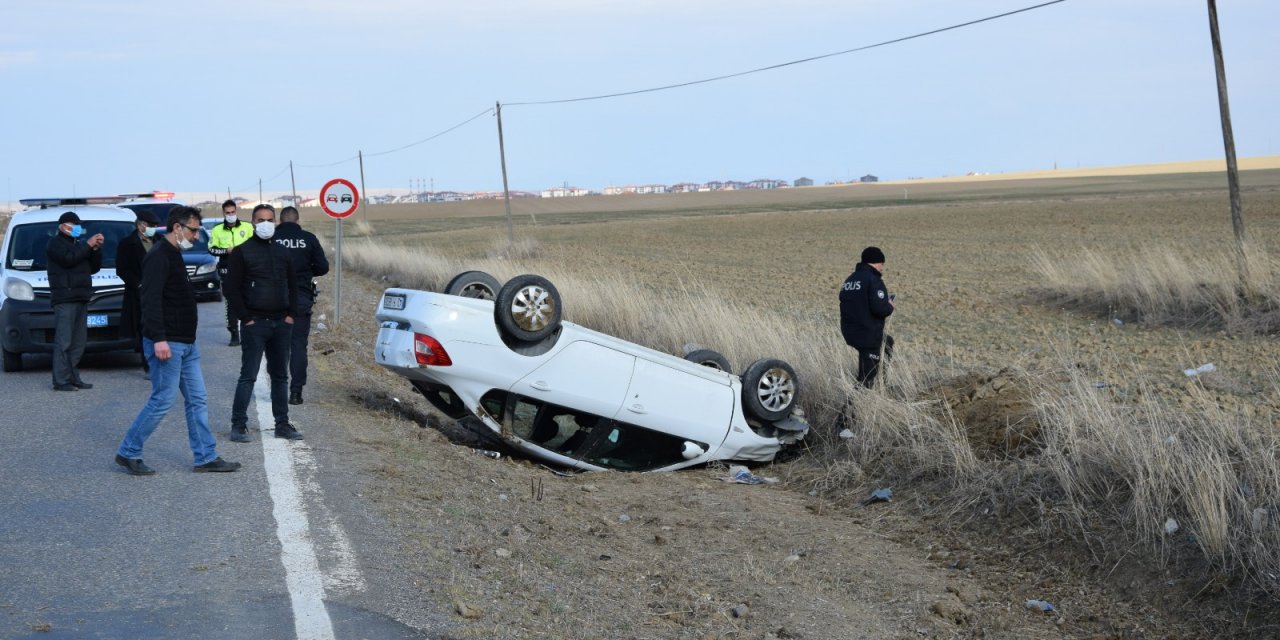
column 222, row 239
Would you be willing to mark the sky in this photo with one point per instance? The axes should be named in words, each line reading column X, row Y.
column 109, row 96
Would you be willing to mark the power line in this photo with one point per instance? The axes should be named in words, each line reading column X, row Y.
column 787, row 64
column 429, row 139
column 322, row 166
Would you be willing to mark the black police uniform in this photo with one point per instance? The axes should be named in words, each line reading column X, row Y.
column 864, row 306
column 308, row 262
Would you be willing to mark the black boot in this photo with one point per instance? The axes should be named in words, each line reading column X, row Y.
column 295, row 397
column 235, row 338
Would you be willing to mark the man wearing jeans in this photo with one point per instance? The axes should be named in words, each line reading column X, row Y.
column 169, row 320
column 263, row 295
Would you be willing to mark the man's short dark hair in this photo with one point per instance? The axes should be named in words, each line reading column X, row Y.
column 230, row 203
column 289, row 214
column 262, row 206
column 180, row 215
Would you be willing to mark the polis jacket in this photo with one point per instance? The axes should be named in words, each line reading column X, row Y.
column 224, row 238
column 71, row 267
column 305, row 252
column 864, row 305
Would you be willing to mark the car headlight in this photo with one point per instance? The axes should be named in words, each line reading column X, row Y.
column 207, row 267
column 18, row 289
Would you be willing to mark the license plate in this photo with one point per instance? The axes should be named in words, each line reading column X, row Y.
column 97, row 320
column 393, row 301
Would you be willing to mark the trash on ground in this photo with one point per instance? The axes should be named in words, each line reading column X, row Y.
column 1040, row 605
column 1099, row 385
column 1171, row 526
column 845, row 434
column 1204, row 368
column 624, row 518
column 741, row 475
column 879, row 495
column 1118, row 322
column 488, row 453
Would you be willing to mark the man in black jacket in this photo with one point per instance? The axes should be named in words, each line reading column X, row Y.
column 129, row 254
column 169, row 319
column 262, row 291
column 864, row 306
column 71, row 267
column 308, row 263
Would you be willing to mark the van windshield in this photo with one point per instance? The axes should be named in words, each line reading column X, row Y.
column 27, row 242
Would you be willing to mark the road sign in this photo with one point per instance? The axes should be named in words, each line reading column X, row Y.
column 339, row 198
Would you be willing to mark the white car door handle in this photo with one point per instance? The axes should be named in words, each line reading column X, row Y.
column 636, row 408
column 540, row 385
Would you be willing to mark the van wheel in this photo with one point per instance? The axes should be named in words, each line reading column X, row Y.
column 528, row 308
column 769, row 390
column 709, row 358
column 12, row 361
column 474, row 284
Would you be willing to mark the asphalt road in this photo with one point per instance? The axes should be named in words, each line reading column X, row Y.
column 87, row 551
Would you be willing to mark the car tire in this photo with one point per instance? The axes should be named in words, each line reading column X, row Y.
column 769, row 390
column 474, row 284
column 12, row 361
column 709, row 358
column 528, row 308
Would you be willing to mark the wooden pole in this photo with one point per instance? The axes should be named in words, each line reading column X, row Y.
column 364, row 193
column 1228, row 141
column 506, row 190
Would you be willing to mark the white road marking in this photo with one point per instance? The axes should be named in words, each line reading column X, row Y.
column 303, row 576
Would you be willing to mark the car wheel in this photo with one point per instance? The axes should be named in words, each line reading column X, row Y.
column 769, row 390
column 473, row 284
column 709, row 358
column 12, row 361
column 528, row 308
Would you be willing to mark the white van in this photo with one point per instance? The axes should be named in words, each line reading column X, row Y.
column 26, row 310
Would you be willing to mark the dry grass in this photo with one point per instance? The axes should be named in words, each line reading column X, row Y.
column 1165, row 285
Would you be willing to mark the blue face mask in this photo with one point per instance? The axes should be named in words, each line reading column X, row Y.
column 76, row 231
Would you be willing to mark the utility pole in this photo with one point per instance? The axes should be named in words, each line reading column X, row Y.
column 506, row 191
column 1229, row 142
column 293, row 184
column 364, row 193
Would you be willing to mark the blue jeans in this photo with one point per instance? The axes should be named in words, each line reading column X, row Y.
column 270, row 337
column 180, row 373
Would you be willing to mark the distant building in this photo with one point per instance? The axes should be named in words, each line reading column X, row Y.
column 651, row 188
column 766, row 183
column 803, row 182
column 684, row 187
column 868, row 178
column 564, row 192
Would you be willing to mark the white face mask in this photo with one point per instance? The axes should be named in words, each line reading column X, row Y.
column 149, row 231
column 265, row 229
column 230, row 219
column 185, row 244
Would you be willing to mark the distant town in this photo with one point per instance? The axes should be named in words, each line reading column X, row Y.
column 565, row 191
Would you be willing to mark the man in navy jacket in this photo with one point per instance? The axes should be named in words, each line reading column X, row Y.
column 864, row 306
column 72, row 264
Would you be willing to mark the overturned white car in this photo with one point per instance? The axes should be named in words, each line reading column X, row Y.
column 510, row 368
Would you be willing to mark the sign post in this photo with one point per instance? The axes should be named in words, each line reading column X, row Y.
column 339, row 198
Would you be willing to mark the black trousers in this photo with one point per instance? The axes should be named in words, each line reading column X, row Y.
column 233, row 325
column 70, row 334
column 301, row 337
column 869, row 362
column 269, row 338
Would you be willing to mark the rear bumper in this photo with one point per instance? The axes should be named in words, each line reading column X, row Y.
column 26, row 326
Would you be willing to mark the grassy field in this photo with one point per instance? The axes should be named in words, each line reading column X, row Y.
column 1023, row 407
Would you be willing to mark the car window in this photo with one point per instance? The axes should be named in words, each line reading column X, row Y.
column 28, row 243
column 600, row 441
column 627, row 447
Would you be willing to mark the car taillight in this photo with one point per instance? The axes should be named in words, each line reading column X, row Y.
column 429, row 351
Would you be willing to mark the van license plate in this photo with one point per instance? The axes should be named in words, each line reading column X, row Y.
column 393, row 301
column 97, row 320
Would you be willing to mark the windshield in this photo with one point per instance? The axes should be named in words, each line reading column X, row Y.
column 27, row 242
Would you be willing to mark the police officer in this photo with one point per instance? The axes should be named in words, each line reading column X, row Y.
column 308, row 263
column 864, row 306
column 225, row 236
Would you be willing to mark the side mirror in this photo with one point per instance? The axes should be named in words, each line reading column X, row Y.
column 691, row 450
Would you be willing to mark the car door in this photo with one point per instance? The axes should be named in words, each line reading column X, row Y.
column 666, row 399
column 583, row 376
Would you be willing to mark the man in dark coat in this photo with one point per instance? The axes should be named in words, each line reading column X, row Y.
column 129, row 254
column 72, row 264
column 308, row 263
column 169, row 321
column 263, row 293
column 864, row 306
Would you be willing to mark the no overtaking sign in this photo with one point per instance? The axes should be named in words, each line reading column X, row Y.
column 339, row 198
